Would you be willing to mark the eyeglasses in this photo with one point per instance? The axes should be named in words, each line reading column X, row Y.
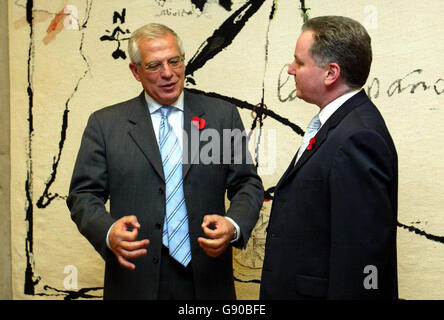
column 157, row 66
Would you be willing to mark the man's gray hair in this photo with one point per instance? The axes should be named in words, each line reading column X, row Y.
column 147, row 32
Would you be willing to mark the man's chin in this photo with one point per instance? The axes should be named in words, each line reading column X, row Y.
column 168, row 99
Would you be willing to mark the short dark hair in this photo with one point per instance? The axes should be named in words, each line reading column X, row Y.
column 344, row 41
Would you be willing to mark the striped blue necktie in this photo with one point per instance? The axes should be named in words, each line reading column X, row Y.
column 175, row 229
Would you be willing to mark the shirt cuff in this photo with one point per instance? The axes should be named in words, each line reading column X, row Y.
column 107, row 236
column 237, row 230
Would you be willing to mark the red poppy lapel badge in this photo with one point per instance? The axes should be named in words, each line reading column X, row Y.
column 311, row 143
column 198, row 122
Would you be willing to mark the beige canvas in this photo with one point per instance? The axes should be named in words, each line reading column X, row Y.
column 68, row 59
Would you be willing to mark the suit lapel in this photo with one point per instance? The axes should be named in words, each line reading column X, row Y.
column 322, row 134
column 142, row 132
column 191, row 141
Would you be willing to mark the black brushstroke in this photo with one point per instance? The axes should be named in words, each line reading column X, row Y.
column 47, row 197
column 200, row 4
column 260, row 108
column 30, row 91
column 118, row 53
column 30, row 282
column 304, row 10
column 247, row 281
column 246, row 105
column 223, row 36
column 115, row 35
column 226, row 4
column 73, row 295
column 118, row 16
column 417, row 231
column 34, row 10
column 87, row 14
column 29, row 12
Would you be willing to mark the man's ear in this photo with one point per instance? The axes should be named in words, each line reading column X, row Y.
column 333, row 73
column 135, row 71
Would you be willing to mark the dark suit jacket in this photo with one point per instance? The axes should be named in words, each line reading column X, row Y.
column 335, row 213
column 119, row 159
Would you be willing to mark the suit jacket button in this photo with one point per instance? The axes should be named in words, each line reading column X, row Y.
column 160, row 191
column 158, row 225
column 155, row 260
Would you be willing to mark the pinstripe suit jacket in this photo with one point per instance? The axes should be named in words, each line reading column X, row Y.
column 119, row 160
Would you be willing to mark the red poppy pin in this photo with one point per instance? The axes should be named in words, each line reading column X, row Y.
column 198, row 123
column 311, row 143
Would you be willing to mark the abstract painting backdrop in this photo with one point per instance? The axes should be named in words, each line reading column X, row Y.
column 68, row 58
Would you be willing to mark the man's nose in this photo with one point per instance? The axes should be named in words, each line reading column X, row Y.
column 291, row 69
column 166, row 71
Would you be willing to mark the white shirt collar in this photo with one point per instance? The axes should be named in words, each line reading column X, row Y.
column 330, row 108
column 153, row 105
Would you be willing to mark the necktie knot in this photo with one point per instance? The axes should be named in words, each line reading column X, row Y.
column 165, row 111
column 315, row 123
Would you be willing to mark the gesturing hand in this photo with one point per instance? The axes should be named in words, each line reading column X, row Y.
column 122, row 240
column 220, row 232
